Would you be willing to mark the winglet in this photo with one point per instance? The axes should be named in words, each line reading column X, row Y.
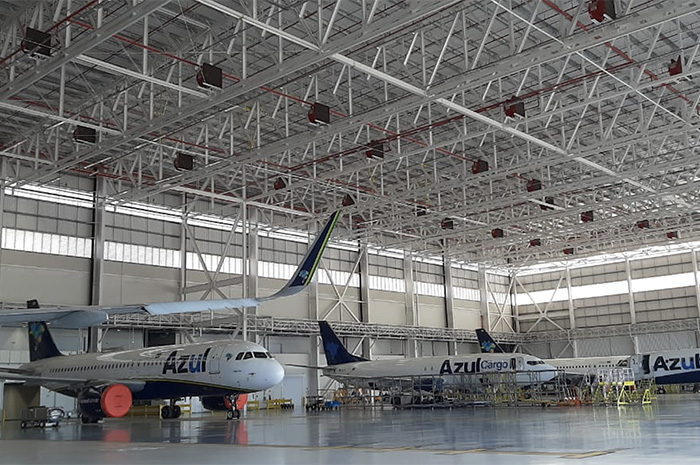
column 486, row 342
column 301, row 278
column 305, row 271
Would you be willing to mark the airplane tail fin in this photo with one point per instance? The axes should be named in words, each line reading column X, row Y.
column 336, row 353
column 306, row 269
column 487, row 344
column 41, row 344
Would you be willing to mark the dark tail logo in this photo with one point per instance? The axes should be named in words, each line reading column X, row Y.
column 336, row 353
column 486, row 342
column 41, row 344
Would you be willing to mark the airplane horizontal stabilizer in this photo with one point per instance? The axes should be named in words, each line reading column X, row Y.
column 310, row 367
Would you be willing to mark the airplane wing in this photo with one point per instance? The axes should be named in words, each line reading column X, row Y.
column 20, row 374
column 81, row 317
column 31, row 377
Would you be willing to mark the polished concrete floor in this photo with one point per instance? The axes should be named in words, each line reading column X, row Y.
column 667, row 432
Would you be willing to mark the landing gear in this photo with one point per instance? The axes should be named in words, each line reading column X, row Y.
column 231, row 402
column 170, row 411
column 86, row 419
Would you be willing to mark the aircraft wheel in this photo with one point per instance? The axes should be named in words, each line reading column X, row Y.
column 42, row 424
column 85, row 419
column 166, row 412
column 23, row 424
column 176, row 411
column 237, row 414
column 229, row 415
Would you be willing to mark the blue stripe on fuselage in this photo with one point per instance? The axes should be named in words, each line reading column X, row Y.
column 680, row 378
column 173, row 389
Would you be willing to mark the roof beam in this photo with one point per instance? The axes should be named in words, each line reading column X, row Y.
column 89, row 41
column 243, row 87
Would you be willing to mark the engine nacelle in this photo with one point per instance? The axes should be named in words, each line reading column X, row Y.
column 114, row 401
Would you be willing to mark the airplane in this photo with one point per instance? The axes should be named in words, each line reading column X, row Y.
column 681, row 366
column 360, row 372
column 106, row 384
column 92, row 315
column 572, row 367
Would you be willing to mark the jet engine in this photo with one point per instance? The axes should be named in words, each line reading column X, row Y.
column 113, row 401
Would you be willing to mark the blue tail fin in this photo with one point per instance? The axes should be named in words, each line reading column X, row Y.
column 336, row 353
column 305, row 271
column 487, row 344
column 41, row 343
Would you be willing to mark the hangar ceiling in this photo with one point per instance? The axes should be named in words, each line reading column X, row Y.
column 597, row 154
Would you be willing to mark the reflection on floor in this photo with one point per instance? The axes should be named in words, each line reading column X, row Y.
column 667, row 432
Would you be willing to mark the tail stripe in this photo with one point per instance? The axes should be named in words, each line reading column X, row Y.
column 327, row 231
column 313, row 257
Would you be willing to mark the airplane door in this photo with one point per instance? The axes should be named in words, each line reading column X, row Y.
column 516, row 364
column 215, row 360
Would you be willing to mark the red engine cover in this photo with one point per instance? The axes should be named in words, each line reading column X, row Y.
column 116, row 400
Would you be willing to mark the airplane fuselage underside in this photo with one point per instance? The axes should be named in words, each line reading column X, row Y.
column 167, row 389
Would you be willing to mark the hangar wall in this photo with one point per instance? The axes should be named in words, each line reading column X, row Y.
column 652, row 292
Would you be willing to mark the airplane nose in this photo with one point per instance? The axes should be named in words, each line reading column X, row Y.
column 277, row 373
column 550, row 372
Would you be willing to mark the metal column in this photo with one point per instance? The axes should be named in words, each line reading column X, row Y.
column 313, row 375
column 3, row 170
column 97, row 269
column 630, row 296
column 484, row 299
column 694, row 259
column 365, row 313
column 411, row 314
column 449, row 303
column 572, row 318
column 250, row 261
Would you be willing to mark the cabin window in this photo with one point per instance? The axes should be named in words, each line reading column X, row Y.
column 248, row 355
column 240, row 355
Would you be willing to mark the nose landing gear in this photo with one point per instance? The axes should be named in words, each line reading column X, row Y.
column 231, row 402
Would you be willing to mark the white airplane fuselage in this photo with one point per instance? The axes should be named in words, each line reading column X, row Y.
column 588, row 365
column 451, row 368
column 166, row 372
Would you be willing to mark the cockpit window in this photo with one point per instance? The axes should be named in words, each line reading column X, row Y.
column 260, row 354
column 240, row 355
column 622, row 363
column 535, row 362
column 248, row 355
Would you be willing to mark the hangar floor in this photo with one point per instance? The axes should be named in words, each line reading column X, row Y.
column 666, row 432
